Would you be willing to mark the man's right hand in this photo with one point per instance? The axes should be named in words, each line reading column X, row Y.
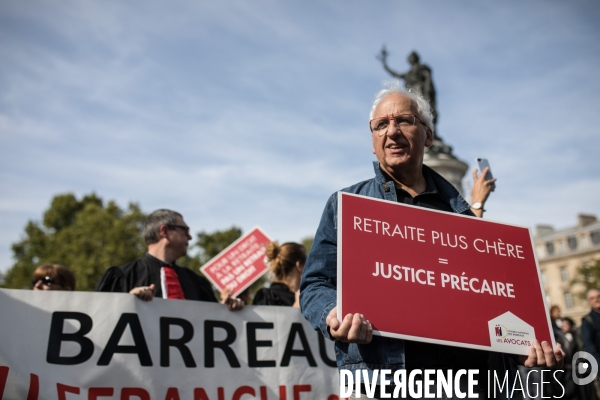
column 353, row 329
column 232, row 303
column 145, row 293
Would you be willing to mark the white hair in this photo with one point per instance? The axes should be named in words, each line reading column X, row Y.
column 421, row 105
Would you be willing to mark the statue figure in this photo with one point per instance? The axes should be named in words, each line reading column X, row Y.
column 418, row 77
column 439, row 155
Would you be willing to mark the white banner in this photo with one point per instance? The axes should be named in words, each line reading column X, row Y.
column 81, row 345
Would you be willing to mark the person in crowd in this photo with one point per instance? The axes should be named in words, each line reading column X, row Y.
column 569, row 344
column 563, row 379
column 573, row 344
column 590, row 325
column 569, row 329
column 481, row 191
column 555, row 316
column 285, row 264
column 157, row 274
column 53, row 277
column 401, row 127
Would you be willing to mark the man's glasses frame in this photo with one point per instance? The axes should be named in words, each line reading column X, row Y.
column 404, row 120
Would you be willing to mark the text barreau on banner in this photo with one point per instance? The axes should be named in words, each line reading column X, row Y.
column 87, row 345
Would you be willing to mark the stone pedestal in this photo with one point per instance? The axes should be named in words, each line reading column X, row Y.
column 440, row 158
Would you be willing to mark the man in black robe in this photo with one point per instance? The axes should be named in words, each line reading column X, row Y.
column 156, row 274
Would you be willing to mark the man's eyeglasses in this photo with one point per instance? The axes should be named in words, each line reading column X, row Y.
column 184, row 228
column 380, row 125
column 46, row 281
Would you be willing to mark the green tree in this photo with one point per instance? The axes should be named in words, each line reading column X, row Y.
column 209, row 245
column 84, row 235
column 588, row 276
column 308, row 242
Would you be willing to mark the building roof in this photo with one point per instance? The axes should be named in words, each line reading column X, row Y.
column 546, row 233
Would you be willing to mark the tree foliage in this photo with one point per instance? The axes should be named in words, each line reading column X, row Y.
column 307, row 242
column 209, row 245
column 588, row 276
column 84, row 235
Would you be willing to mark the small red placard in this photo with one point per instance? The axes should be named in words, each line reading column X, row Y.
column 438, row 277
column 240, row 264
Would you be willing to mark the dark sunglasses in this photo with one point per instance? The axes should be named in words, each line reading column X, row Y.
column 46, row 281
column 186, row 229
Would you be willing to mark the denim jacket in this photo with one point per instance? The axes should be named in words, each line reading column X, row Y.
column 318, row 286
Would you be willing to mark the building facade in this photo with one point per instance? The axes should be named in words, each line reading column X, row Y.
column 560, row 254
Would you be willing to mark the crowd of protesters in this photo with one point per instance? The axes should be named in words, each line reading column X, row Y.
column 157, row 274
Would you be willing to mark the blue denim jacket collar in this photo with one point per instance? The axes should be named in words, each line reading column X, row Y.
column 445, row 189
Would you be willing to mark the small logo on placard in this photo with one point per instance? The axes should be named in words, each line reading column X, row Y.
column 510, row 333
column 501, row 331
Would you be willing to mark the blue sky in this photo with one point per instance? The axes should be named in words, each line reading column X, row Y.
column 253, row 112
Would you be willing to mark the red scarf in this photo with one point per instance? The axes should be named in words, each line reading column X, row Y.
column 170, row 283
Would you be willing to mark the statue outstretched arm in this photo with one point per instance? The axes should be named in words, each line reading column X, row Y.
column 383, row 58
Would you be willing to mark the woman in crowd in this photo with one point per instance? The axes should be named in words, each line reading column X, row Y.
column 285, row 264
column 53, row 277
column 555, row 316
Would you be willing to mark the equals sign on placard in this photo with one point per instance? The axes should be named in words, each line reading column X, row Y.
column 443, row 260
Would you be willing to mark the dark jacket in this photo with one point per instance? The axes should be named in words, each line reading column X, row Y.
column 277, row 295
column 590, row 331
column 146, row 271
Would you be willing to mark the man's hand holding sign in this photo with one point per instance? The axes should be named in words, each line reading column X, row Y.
column 542, row 355
column 354, row 328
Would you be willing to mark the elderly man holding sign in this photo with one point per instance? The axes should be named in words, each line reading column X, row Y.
column 401, row 126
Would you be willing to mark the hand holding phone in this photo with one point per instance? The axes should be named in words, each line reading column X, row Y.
column 483, row 185
column 483, row 163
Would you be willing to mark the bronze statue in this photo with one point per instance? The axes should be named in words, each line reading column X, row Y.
column 439, row 155
column 418, row 77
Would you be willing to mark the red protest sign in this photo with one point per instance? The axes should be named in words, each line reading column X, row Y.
column 437, row 277
column 240, row 264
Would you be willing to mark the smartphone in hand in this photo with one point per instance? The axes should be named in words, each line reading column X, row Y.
column 482, row 163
